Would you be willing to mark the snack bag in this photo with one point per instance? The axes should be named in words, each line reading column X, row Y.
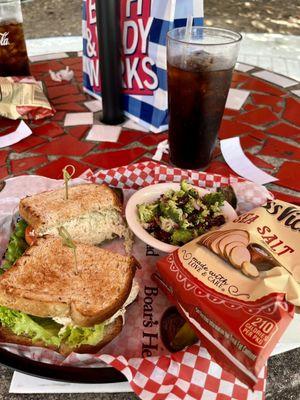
column 238, row 285
column 144, row 26
column 23, row 99
column 13, row 53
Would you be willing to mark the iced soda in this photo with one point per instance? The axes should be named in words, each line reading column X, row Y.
column 198, row 85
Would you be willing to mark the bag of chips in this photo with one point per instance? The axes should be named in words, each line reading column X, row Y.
column 23, row 99
column 238, row 285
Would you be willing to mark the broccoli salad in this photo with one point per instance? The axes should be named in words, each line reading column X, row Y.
column 180, row 216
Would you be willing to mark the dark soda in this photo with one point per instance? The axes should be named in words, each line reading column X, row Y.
column 197, row 91
column 13, row 53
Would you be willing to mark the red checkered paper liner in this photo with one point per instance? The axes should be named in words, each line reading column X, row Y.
column 148, row 173
column 189, row 374
column 249, row 194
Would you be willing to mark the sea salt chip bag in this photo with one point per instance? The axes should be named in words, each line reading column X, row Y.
column 239, row 285
column 144, row 25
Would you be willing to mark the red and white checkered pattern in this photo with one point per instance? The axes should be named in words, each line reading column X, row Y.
column 148, row 173
column 186, row 375
column 250, row 195
column 132, row 176
column 163, row 173
column 189, row 375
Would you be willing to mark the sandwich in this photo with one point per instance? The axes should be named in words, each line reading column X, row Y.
column 91, row 214
column 49, row 298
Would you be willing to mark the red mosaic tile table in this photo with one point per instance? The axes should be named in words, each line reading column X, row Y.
column 268, row 124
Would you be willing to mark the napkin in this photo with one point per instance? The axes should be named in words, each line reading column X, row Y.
column 22, row 383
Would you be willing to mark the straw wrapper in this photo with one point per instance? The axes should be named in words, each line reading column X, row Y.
column 139, row 352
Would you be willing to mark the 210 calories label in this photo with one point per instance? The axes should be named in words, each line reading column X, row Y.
column 258, row 330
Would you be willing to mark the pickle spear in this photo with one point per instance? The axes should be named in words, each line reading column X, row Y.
column 184, row 337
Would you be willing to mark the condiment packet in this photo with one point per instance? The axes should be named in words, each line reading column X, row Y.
column 23, row 99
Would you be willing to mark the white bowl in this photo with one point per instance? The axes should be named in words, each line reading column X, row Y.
column 150, row 194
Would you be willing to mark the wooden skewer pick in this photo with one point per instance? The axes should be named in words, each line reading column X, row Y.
column 67, row 240
column 67, row 177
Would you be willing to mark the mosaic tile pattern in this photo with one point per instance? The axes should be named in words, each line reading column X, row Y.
column 268, row 123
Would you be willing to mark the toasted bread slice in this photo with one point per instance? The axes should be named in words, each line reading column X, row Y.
column 110, row 332
column 91, row 214
column 44, row 282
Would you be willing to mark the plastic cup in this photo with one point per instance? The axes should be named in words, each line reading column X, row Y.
column 199, row 76
column 13, row 54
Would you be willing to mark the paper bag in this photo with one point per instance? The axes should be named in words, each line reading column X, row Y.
column 144, row 27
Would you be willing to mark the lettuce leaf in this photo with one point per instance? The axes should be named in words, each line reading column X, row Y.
column 16, row 246
column 48, row 331
column 41, row 329
column 22, row 324
column 75, row 336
